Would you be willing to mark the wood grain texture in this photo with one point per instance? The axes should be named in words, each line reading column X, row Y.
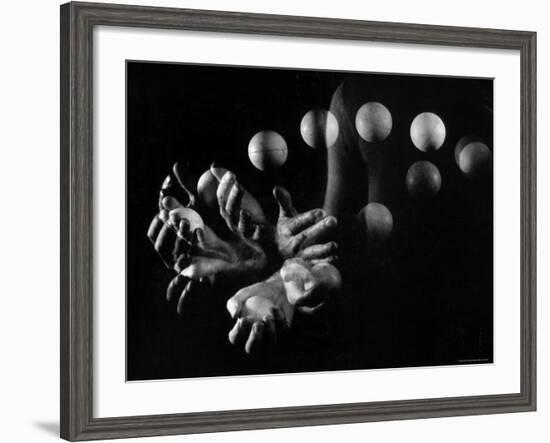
column 77, row 22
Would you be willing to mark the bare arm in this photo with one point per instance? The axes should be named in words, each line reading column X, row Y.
column 347, row 181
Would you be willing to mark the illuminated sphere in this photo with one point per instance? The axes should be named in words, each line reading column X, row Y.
column 267, row 150
column 319, row 128
column 328, row 275
column 463, row 141
column 423, row 179
column 193, row 217
column 474, row 159
column 373, row 122
column 427, row 132
column 378, row 221
column 207, row 187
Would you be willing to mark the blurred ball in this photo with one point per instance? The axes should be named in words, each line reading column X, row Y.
column 378, row 221
column 328, row 275
column 319, row 128
column 373, row 122
column 193, row 217
column 207, row 187
column 427, row 131
column 423, row 179
column 463, row 141
column 267, row 150
column 475, row 160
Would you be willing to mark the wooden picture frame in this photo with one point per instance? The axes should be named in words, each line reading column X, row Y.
column 77, row 23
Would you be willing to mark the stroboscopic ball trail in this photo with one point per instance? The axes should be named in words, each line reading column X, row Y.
column 428, row 132
column 319, row 128
column 378, row 221
column 267, row 150
column 463, row 141
column 423, row 179
column 474, row 160
column 473, row 157
column 373, row 122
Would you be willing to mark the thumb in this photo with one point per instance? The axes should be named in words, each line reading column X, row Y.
column 181, row 172
column 246, row 227
column 286, row 209
column 217, row 171
column 169, row 203
column 235, row 304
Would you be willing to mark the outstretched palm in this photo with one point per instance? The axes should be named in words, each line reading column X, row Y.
column 209, row 256
column 303, row 235
column 262, row 311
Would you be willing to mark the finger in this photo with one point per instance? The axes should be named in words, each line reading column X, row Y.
column 166, row 186
column 164, row 215
column 257, row 235
column 217, row 171
column 183, row 260
column 286, row 209
column 235, row 304
column 167, row 183
column 233, row 205
column 184, row 230
column 270, row 331
column 170, row 203
column 185, row 182
column 165, row 242
column 239, row 332
column 154, row 228
column 316, row 252
column 279, row 319
column 262, row 231
column 189, row 287
column 245, row 226
column 305, row 220
column 197, row 240
column 224, row 188
column 317, row 232
column 181, row 224
column 310, row 310
column 332, row 259
column 175, row 287
column 255, row 338
column 173, row 220
column 183, row 243
column 161, row 196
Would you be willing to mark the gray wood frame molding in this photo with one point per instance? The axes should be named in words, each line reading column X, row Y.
column 77, row 24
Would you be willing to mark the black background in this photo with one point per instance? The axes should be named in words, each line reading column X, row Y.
column 425, row 297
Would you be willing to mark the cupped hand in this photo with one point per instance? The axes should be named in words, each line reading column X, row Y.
column 210, row 256
column 239, row 209
column 198, row 256
column 262, row 313
column 309, row 286
column 233, row 197
column 307, row 235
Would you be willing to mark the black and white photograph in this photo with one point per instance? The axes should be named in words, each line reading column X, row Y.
column 238, row 222
column 286, row 221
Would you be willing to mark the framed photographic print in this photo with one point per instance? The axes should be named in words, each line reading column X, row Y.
column 273, row 221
